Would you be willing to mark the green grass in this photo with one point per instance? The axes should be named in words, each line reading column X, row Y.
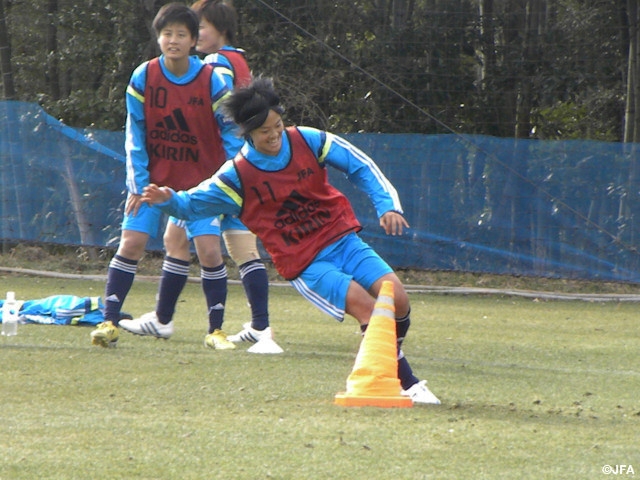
column 544, row 390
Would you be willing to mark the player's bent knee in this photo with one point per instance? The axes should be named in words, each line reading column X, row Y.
column 241, row 246
column 132, row 244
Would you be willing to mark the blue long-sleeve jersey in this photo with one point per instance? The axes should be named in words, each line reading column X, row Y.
column 222, row 192
column 137, row 159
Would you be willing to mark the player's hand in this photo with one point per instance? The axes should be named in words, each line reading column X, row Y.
column 393, row 223
column 153, row 194
column 133, row 204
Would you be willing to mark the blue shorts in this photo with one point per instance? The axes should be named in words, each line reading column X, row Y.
column 196, row 228
column 325, row 282
column 231, row 222
column 149, row 220
column 209, row 226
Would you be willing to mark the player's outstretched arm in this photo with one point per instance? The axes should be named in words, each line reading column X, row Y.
column 153, row 194
column 393, row 223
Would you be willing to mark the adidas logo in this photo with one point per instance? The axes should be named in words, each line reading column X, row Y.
column 300, row 216
column 175, row 121
column 218, row 306
column 297, row 204
column 112, row 298
column 173, row 128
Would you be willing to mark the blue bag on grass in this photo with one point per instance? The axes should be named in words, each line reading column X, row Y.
column 61, row 310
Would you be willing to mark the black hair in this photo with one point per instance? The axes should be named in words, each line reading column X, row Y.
column 220, row 14
column 249, row 106
column 176, row 13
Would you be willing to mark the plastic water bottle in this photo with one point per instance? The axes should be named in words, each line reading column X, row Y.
column 10, row 315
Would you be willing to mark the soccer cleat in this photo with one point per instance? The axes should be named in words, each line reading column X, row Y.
column 218, row 341
column 265, row 345
column 148, row 325
column 249, row 334
column 106, row 335
column 420, row 393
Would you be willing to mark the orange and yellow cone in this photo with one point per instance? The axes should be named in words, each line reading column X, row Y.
column 374, row 382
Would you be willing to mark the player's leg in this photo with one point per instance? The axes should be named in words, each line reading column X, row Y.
column 175, row 270
column 122, row 271
column 370, row 271
column 402, row 305
column 136, row 231
column 242, row 248
column 213, row 272
column 360, row 304
column 214, row 278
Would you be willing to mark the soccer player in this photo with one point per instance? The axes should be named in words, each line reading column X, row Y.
column 218, row 28
column 278, row 187
column 175, row 135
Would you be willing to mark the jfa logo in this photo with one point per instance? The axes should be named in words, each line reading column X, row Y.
column 304, row 173
column 618, row 470
column 195, row 101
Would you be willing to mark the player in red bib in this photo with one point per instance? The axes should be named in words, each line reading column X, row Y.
column 218, row 27
column 175, row 134
column 278, row 186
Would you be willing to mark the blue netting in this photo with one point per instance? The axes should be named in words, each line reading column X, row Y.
column 59, row 184
column 475, row 203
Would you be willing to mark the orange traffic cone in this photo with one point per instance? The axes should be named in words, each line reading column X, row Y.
column 374, row 382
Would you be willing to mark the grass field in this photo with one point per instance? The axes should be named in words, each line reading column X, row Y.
column 544, row 390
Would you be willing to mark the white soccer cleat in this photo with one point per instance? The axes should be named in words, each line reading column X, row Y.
column 148, row 325
column 266, row 345
column 263, row 339
column 249, row 334
column 420, row 393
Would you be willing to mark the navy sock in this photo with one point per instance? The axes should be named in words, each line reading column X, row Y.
column 256, row 286
column 174, row 277
column 119, row 280
column 214, row 285
column 402, row 327
column 405, row 373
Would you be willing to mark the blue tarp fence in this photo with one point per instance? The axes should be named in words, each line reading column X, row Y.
column 562, row 209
